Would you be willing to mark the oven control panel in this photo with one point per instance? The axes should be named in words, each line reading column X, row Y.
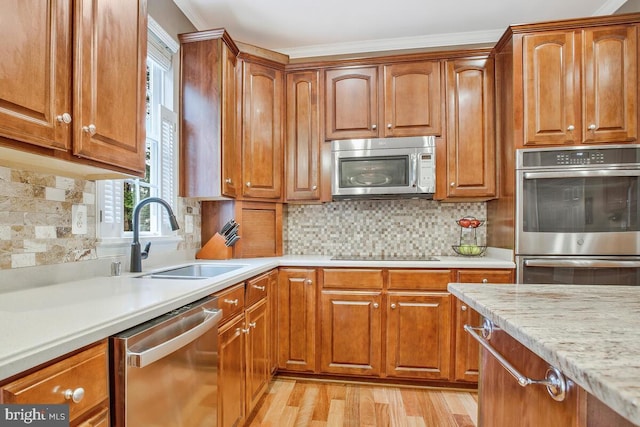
column 622, row 155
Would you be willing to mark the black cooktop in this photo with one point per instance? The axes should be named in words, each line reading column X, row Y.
column 383, row 258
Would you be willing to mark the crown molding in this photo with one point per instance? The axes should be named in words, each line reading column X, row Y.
column 435, row 40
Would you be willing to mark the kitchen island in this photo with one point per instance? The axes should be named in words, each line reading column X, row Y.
column 589, row 333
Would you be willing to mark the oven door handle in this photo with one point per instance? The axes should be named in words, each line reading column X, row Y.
column 143, row 358
column 582, row 263
column 581, row 173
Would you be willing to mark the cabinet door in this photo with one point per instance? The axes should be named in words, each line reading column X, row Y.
column 471, row 170
column 419, row 335
column 231, row 148
column 610, row 82
column 467, row 350
column 551, row 96
column 351, row 103
column 109, row 77
column 258, row 370
column 303, row 136
column 351, row 332
column 412, row 99
column 297, row 319
column 231, row 373
column 262, row 132
column 35, row 72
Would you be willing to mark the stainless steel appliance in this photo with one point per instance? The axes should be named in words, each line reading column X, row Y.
column 383, row 167
column 574, row 270
column 577, row 215
column 164, row 372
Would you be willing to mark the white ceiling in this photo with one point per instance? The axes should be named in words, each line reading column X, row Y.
column 307, row 28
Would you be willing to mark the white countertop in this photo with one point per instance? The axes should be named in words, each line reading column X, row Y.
column 590, row 333
column 38, row 324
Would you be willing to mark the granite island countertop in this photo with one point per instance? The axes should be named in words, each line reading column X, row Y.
column 590, row 333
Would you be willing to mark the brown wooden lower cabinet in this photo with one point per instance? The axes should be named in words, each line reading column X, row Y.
column 245, row 345
column 257, row 335
column 87, row 369
column 419, row 335
column 373, row 322
column 351, row 332
column 466, row 349
column 231, row 373
column 297, row 322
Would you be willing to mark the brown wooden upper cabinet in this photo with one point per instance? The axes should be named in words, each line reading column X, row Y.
column 210, row 143
column 76, row 79
column 262, row 136
column 303, row 138
column 580, row 86
column 471, row 154
column 406, row 103
column 210, row 131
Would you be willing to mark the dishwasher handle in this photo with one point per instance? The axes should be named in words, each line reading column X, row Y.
column 146, row 357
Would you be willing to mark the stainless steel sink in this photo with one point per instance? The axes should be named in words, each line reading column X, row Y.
column 193, row 271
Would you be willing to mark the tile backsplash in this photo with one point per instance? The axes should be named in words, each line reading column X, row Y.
column 372, row 227
column 36, row 220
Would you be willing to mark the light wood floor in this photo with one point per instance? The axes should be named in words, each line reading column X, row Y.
column 302, row 403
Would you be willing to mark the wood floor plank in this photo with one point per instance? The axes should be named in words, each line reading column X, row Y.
column 314, row 403
column 336, row 413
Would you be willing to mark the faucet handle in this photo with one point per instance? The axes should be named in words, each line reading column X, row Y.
column 144, row 254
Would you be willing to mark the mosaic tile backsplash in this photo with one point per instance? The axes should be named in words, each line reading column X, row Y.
column 36, row 219
column 373, row 227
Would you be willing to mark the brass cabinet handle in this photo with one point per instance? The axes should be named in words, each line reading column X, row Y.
column 231, row 301
column 260, row 288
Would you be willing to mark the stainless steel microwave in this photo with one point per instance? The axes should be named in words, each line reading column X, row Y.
column 383, row 168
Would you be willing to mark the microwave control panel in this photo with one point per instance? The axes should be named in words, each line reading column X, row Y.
column 427, row 167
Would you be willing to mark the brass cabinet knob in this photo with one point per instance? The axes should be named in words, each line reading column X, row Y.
column 308, row 282
column 592, row 126
column 463, row 308
column 570, row 128
column 393, row 306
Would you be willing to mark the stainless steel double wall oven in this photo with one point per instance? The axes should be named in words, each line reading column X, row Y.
column 577, row 215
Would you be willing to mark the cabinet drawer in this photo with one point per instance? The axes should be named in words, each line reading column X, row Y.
column 485, row 276
column 420, row 279
column 87, row 370
column 352, row 278
column 231, row 301
column 257, row 289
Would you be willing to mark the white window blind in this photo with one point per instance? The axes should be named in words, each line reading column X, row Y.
column 160, row 45
column 168, row 156
column 111, row 211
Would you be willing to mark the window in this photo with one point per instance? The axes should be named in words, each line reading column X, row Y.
column 117, row 198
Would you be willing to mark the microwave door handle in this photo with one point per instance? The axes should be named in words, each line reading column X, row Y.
column 581, row 263
column 581, row 173
column 413, row 170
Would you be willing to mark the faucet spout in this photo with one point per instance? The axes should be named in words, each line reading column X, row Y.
column 136, row 252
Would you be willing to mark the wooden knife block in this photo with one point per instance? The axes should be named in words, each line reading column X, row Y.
column 215, row 249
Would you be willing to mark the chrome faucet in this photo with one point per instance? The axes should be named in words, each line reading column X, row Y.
column 136, row 254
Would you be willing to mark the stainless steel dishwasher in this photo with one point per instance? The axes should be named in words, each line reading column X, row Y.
column 164, row 372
